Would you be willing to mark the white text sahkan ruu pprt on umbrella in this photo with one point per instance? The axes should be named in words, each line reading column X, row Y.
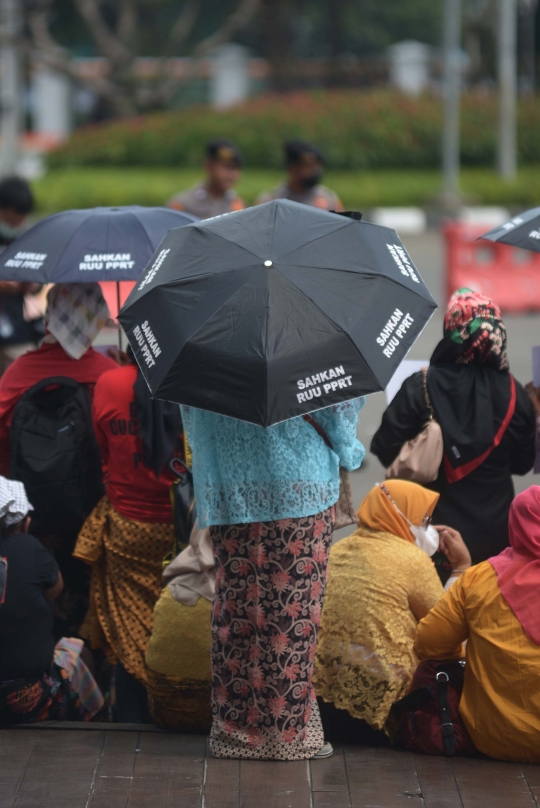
column 393, row 331
column 324, row 379
column 27, row 260
column 98, row 261
column 147, row 343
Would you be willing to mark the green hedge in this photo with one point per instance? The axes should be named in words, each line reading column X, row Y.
column 355, row 129
column 359, row 190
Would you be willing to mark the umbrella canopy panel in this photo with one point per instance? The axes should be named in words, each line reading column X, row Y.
column 522, row 231
column 94, row 244
column 274, row 312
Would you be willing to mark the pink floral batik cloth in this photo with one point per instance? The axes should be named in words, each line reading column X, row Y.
column 270, row 582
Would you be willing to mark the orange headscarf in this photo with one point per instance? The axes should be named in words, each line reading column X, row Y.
column 377, row 512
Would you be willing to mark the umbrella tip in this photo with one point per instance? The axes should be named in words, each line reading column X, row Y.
column 268, row 263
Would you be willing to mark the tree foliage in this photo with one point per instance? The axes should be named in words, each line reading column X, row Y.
column 117, row 30
column 282, row 31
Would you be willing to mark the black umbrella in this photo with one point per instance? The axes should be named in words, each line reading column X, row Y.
column 275, row 311
column 93, row 244
column 520, row 231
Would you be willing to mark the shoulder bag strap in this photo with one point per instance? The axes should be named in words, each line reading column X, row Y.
column 318, row 428
column 426, row 394
column 447, row 727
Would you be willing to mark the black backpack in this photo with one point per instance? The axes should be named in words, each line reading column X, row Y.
column 54, row 452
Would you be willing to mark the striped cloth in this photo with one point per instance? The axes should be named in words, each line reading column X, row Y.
column 67, row 655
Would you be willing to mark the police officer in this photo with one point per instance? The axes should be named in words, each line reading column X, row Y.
column 216, row 194
column 305, row 169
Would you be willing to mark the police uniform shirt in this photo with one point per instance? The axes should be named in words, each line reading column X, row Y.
column 318, row 197
column 199, row 202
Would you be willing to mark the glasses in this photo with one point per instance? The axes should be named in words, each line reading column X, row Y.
column 426, row 521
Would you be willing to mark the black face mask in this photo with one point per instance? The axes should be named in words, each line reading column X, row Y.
column 313, row 180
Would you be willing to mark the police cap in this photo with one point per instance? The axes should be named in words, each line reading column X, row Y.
column 224, row 151
column 298, row 152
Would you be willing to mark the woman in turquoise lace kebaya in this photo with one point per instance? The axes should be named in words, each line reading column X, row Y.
column 268, row 496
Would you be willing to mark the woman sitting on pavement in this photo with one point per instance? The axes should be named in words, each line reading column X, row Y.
column 130, row 531
column 38, row 680
column 76, row 313
column 494, row 606
column 486, row 418
column 178, row 656
column 381, row 582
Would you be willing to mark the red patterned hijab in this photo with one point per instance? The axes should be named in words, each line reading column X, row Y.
column 474, row 332
column 518, row 567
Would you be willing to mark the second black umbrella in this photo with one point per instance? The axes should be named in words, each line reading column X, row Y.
column 92, row 244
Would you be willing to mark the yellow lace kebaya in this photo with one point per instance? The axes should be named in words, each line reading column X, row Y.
column 380, row 585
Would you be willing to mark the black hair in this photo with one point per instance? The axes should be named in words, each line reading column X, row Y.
column 8, row 530
column 16, row 193
column 223, row 149
column 299, row 151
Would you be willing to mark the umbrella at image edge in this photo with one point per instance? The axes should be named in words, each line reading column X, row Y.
column 275, row 311
column 520, row 231
column 89, row 245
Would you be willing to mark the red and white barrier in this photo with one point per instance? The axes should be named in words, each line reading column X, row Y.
column 508, row 275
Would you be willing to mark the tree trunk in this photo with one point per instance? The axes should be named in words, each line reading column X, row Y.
column 276, row 24
column 527, row 48
column 335, row 14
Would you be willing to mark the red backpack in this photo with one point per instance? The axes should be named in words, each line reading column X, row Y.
column 429, row 719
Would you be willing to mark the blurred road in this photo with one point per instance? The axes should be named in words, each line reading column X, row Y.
column 427, row 251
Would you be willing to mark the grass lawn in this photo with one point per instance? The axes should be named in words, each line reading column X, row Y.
column 87, row 187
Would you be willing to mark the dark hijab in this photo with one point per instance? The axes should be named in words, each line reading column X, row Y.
column 160, row 426
column 472, row 393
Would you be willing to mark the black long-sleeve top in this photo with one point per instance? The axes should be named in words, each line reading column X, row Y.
column 478, row 505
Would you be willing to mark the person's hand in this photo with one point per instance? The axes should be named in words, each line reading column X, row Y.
column 31, row 288
column 534, row 395
column 453, row 546
column 120, row 357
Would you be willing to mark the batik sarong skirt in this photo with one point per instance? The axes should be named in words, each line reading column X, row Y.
column 270, row 582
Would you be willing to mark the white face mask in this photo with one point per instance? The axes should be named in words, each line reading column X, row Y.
column 426, row 538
